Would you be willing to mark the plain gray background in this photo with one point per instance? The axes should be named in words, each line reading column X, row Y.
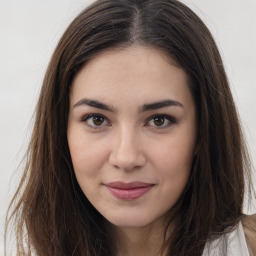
column 29, row 31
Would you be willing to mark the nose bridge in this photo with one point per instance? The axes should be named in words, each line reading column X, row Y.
column 126, row 149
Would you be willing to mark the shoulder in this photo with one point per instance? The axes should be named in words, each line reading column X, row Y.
column 249, row 227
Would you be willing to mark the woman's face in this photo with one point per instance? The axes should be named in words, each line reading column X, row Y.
column 132, row 134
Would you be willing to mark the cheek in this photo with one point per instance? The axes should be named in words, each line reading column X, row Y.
column 88, row 156
column 175, row 154
column 88, row 160
column 175, row 175
column 173, row 163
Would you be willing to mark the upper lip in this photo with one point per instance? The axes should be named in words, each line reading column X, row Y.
column 129, row 185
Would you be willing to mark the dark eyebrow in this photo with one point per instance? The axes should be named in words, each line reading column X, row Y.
column 160, row 104
column 143, row 108
column 94, row 104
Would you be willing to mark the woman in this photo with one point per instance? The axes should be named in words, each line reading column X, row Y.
column 136, row 148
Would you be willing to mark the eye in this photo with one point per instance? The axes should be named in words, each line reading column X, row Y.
column 160, row 121
column 95, row 120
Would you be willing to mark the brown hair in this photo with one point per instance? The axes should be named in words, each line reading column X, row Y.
column 51, row 213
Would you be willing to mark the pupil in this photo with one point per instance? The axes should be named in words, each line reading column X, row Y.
column 159, row 120
column 98, row 120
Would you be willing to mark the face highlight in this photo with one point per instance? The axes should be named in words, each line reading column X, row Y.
column 132, row 134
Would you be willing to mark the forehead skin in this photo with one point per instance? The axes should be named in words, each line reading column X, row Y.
column 112, row 72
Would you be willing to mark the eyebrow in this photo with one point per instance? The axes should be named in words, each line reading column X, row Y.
column 160, row 104
column 94, row 104
column 143, row 108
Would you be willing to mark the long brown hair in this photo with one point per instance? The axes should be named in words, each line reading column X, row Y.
column 51, row 213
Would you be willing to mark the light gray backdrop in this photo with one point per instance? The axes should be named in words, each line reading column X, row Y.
column 29, row 31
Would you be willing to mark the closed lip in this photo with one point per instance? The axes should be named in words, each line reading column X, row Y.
column 129, row 185
column 128, row 191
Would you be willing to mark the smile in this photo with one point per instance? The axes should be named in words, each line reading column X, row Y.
column 128, row 191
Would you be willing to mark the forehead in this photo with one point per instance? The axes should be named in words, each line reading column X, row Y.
column 137, row 73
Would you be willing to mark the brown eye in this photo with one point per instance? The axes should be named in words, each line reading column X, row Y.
column 159, row 120
column 95, row 121
column 98, row 120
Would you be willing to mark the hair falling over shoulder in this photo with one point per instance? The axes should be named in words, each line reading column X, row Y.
column 50, row 213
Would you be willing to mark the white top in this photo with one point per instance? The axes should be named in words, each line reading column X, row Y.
column 231, row 244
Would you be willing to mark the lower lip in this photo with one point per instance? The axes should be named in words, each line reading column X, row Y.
column 129, row 194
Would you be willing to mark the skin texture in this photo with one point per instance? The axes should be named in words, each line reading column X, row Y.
column 128, row 143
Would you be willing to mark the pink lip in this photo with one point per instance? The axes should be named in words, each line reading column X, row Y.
column 128, row 191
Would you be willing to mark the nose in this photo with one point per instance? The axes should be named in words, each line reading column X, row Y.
column 127, row 151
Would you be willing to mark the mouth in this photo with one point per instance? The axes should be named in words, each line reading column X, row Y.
column 128, row 191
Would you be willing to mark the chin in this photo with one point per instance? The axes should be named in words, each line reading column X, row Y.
column 132, row 220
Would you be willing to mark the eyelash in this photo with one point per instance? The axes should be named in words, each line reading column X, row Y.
column 87, row 117
column 166, row 118
column 171, row 120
